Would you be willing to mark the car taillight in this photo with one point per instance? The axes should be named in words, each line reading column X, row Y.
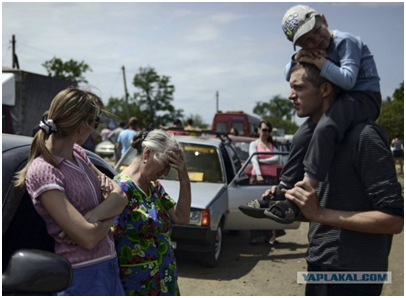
column 206, row 217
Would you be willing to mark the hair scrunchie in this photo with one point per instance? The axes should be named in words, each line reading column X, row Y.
column 48, row 125
column 143, row 136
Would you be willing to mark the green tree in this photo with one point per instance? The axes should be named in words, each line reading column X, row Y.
column 279, row 111
column 391, row 118
column 71, row 70
column 155, row 96
column 117, row 107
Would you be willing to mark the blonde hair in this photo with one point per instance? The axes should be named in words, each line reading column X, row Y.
column 69, row 109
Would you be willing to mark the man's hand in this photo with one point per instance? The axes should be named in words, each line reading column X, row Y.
column 268, row 192
column 305, row 197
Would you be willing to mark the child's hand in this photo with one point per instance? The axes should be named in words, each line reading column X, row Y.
column 318, row 62
column 310, row 54
column 316, row 57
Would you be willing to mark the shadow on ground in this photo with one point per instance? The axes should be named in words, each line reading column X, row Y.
column 238, row 258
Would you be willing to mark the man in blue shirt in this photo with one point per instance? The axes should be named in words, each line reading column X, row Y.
column 125, row 136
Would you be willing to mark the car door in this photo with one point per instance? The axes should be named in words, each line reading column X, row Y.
column 240, row 191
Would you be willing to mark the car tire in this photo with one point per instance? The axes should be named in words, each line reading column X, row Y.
column 211, row 258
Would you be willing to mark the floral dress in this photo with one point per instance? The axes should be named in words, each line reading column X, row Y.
column 142, row 234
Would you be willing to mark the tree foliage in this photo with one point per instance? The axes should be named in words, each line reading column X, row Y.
column 117, row 107
column 155, row 96
column 279, row 111
column 71, row 70
column 391, row 118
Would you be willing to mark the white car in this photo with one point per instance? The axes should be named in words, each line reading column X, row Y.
column 105, row 149
column 219, row 186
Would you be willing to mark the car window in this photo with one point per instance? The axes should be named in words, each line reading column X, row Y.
column 242, row 148
column 126, row 160
column 221, row 127
column 238, row 126
column 203, row 164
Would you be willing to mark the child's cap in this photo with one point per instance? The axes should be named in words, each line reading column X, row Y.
column 297, row 21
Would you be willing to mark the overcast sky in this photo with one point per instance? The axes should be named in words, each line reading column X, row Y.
column 237, row 49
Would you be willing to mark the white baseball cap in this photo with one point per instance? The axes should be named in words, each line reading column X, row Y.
column 297, row 21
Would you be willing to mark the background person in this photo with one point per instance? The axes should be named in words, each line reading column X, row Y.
column 357, row 209
column 125, row 136
column 264, row 167
column 77, row 208
column 398, row 144
column 177, row 128
column 104, row 133
column 189, row 127
column 264, row 171
column 113, row 136
column 143, row 231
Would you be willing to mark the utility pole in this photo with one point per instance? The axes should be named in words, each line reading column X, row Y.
column 14, row 55
column 217, row 101
column 126, row 95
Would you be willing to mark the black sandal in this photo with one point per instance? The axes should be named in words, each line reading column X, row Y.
column 287, row 209
column 255, row 208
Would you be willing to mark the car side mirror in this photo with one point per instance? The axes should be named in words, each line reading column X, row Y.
column 31, row 270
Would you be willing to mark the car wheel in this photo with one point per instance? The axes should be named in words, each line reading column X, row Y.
column 210, row 259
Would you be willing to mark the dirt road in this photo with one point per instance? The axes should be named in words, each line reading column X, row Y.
column 265, row 270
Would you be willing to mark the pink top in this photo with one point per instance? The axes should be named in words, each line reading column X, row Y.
column 82, row 187
column 266, row 169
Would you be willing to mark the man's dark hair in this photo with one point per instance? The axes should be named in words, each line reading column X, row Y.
column 177, row 122
column 133, row 122
column 314, row 76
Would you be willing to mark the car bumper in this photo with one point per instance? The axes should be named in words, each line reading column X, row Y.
column 192, row 238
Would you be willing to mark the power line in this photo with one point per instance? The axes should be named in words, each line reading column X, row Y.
column 115, row 82
column 30, row 47
column 4, row 56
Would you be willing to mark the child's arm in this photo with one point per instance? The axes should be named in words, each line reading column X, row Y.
column 349, row 52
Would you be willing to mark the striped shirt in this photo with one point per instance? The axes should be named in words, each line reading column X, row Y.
column 362, row 178
column 82, row 187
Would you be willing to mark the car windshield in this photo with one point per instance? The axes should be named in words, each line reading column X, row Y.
column 203, row 163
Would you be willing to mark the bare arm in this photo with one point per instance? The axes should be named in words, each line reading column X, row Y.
column 69, row 219
column 376, row 222
column 180, row 214
column 115, row 199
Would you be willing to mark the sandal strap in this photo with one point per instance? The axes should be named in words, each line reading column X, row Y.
column 286, row 208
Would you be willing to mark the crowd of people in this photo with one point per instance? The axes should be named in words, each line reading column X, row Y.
column 116, row 233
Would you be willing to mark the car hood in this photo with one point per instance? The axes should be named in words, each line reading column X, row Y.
column 203, row 193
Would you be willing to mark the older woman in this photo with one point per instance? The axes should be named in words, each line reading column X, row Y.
column 143, row 231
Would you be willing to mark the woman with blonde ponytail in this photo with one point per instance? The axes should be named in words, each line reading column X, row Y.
column 77, row 202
